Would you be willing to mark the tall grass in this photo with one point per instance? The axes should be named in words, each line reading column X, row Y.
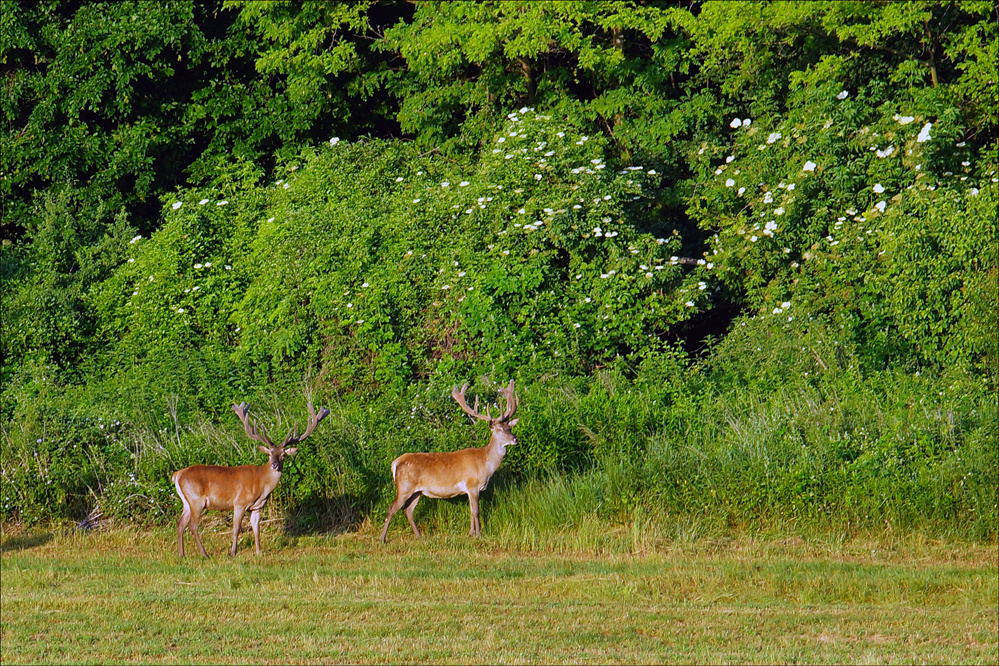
column 888, row 451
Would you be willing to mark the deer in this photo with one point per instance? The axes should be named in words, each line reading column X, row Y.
column 243, row 488
column 441, row 475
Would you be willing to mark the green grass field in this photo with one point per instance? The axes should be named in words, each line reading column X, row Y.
column 123, row 595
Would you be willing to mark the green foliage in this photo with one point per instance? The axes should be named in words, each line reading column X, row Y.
column 46, row 282
column 375, row 267
column 610, row 62
column 814, row 215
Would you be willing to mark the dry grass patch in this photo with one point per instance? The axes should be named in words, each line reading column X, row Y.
column 122, row 596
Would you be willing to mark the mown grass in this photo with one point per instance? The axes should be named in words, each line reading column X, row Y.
column 124, row 596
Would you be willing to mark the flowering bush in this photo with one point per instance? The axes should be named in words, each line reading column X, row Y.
column 376, row 266
column 879, row 216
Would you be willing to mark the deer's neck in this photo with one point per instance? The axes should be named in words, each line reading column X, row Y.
column 495, row 450
column 269, row 475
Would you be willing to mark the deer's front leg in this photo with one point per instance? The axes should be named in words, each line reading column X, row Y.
column 255, row 524
column 473, row 507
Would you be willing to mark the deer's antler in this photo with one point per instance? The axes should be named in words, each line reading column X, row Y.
column 242, row 411
column 459, row 397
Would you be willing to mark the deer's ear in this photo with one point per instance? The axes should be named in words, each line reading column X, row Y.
column 264, row 449
column 512, row 422
column 290, row 452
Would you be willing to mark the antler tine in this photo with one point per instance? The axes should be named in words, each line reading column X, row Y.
column 314, row 420
column 242, row 411
column 459, row 397
column 512, row 402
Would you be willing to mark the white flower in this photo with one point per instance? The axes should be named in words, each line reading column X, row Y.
column 203, row 202
column 399, row 179
column 746, row 122
column 689, row 304
column 208, row 264
column 729, row 183
column 774, row 136
column 177, row 205
column 735, row 123
column 881, row 206
column 768, row 197
column 809, row 166
column 786, row 304
column 133, row 259
column 843, row 95
column 652, row 172
column 790, row 187
column 754, row 239
column 335, row 140
column 228, row 267
column 559, row 134
column 924, row 134
column 221, row 203
column 905, row 120
column 463, row 183
column 779, row 211
column 879, row 188
column 197, row 265
column 416, row 201
column 741, row 191
column 537, row 176
column 445, row 184
column 135, row 240
column 365, row 285
column 179, row 311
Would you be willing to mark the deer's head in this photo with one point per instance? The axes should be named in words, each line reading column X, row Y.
column 278, row 452
column 499, row 425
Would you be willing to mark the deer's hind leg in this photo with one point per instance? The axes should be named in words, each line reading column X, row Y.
column 185, row 518
column 195, row 521
column 410, row 508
